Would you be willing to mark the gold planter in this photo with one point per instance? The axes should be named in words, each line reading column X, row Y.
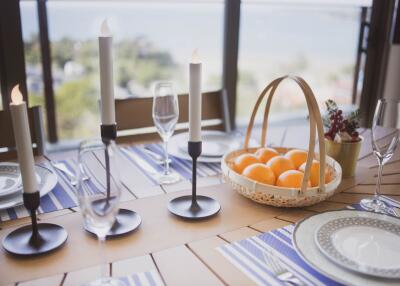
column 346, row 154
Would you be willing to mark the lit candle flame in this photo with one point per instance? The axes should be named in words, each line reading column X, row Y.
column 16, row 95
column 105, row 31
column 195, row 57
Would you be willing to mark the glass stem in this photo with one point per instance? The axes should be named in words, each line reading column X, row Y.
column 166, row 169
column 104, row 265
column 378, row 183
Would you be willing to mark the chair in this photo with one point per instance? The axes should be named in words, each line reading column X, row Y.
column 7, row 142
column 135, row 122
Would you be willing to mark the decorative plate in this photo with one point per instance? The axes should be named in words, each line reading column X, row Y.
column 367, row 245
column 47, row 180
column 10, row 179
column 306, row 247
column 215, row 145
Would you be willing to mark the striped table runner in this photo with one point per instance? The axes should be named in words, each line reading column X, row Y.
column 148, row 165
column 149, row 278
column 63, row 195
column 247, row 255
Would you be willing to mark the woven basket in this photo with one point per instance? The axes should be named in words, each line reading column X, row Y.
column 279, row 196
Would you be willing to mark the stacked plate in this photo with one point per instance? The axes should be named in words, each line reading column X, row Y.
column 11, row 183
column 215, row 145
column 352, row 247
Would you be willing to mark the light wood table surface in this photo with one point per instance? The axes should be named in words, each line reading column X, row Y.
column 182, row 252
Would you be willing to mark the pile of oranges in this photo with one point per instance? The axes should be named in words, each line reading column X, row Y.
column 269, row 167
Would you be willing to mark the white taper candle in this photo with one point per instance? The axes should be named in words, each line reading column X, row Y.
column 23, row 141
column 106, row 76
column 195, row 99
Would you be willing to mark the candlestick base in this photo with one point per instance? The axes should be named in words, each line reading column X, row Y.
column 204, row 207
column 126, row 222
column 37, row 238
column 21, row 241
column 194, row 207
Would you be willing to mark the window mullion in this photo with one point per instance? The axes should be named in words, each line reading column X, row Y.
column 47, row 73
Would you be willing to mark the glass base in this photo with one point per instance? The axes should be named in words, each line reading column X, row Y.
column 167, row 179
column 375, row 205
column 106, row 282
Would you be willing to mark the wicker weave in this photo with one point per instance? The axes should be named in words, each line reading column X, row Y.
column 279, row 196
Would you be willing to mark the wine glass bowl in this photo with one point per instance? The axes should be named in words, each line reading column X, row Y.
column 99, row 193
column 384, row 146
column 165, row 116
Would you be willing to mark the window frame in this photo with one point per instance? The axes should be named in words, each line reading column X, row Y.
column 12, row 59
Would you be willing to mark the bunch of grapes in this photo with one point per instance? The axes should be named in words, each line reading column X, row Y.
column 336, row 122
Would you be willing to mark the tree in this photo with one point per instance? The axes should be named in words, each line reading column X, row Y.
column 32, row 50
column 76, row 101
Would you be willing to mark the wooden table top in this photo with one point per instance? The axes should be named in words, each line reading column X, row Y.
column 167, row 244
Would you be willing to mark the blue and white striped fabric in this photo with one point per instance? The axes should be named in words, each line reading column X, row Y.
column 386, row 199
column 149, row 278
column 61, row 197
column 149, row 166
column 247, row 255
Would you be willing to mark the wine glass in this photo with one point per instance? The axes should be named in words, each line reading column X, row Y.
column 165, row 117
column 386, row 116
column 99, row 194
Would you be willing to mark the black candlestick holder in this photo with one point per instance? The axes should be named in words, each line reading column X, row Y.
column 126, row 220
column 37, row 238
column 194, row 207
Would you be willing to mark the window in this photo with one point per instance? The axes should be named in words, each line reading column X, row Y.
column 33, row 64
column 315, row 40
column 152, row 41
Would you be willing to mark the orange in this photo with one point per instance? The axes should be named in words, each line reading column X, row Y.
column 291, row 179
column 314, row 173
column 264, row 154
column 261, row 173
column 280, row 164
column 243, row 161
column 297, row 157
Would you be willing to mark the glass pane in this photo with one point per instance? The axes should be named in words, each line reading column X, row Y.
column 33, row 65
column 152, row 41
column 315, row 41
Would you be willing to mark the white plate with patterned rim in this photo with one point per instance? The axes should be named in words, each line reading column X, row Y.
column 214, row 142
column 367, row 245
column 10, row 179
column 214, row 145
column 306, row 247
column 47, row 180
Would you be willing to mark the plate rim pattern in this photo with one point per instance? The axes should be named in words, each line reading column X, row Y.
column 323, row 239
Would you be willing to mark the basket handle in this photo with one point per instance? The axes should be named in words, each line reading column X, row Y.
column 255, row 109
column 315, row 123
column 320, row 133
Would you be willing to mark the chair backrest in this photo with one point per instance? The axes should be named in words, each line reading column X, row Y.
column 135, row 122
column 7, row 142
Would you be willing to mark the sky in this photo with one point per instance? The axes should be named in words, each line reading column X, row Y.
column 278, row 30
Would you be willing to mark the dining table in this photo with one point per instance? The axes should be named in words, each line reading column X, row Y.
column 177, row 251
